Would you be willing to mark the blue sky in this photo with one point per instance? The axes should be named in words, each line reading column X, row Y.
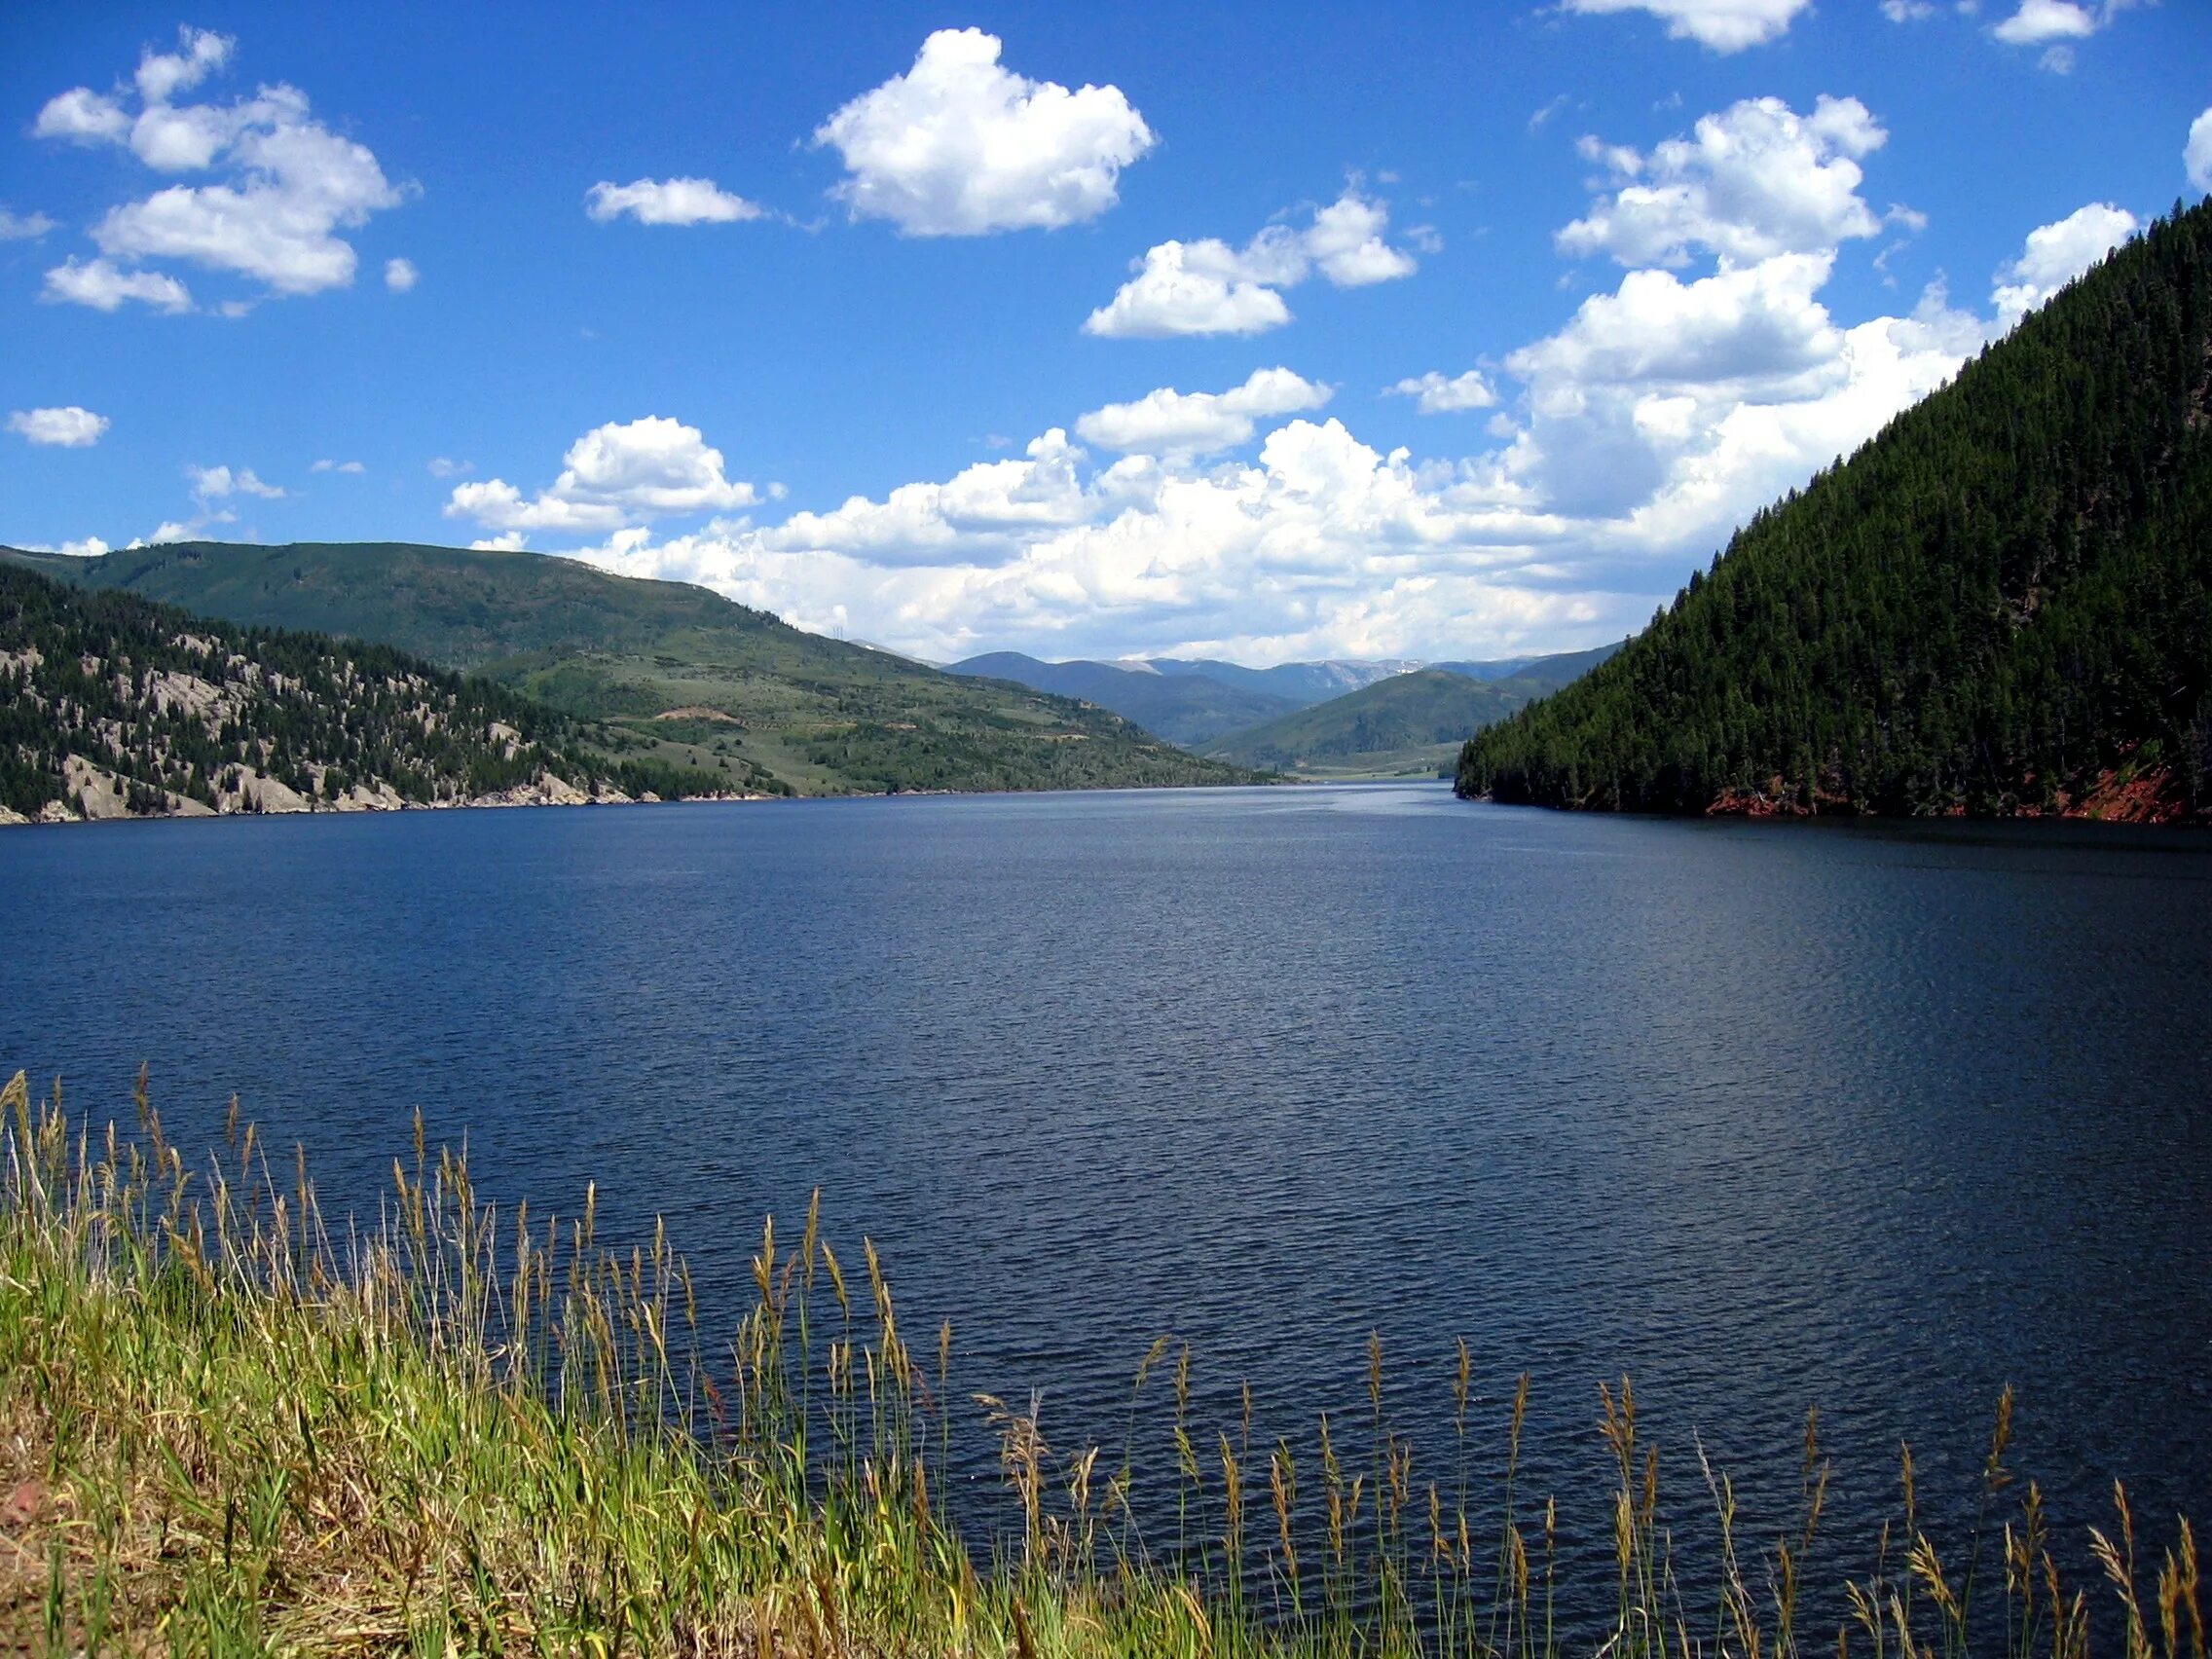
column 1274, row 332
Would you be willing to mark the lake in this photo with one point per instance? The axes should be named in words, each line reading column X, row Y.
column 1873, row 1118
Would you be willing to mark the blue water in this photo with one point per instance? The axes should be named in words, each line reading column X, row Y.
column 1871, row 1117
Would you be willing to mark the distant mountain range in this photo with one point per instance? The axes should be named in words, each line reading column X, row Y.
column 1188, row 709
column 662, row 671
column 2001, row 606
column 1320, row 719
column 662, row 674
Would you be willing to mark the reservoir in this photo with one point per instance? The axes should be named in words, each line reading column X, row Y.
column 1873, row 1118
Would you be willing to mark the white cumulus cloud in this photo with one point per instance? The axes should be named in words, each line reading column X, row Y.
column 82, row 117
column 1209, row 287
column 104, row 286
column 2055, row 254
column 213, row 483
column 1439, row 393
column 982, row 514
column 614, row 475
column 201, row 52
column 287, row 185
column 66, row 428
column 1188, row 288
column 24, row 226
column 1198, row 423
column 1645, row 430
column 1724, row 25
column 961, row 146
column 2197, row 156
column 2039, row 21
column 1751, row 181
column 1623, row 447
column 400, row 275
column 2055, row 26
column 353, row 466
column 669, row 201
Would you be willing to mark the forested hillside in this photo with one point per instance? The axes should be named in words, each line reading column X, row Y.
column 112, row 706
column 2002, row 605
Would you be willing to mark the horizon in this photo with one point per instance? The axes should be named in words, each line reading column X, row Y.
column 1048, row 335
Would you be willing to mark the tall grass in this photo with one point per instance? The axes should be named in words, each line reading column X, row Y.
column 229, row 1427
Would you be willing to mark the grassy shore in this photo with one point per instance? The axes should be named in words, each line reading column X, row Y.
column 229, row 1429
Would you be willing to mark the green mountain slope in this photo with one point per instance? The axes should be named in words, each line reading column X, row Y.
column 2001, row 604
column 1408, row 723
column 112, row 706
column 668, row 671
column 1192, row 709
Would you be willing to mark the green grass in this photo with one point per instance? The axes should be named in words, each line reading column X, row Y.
column 231, row 1428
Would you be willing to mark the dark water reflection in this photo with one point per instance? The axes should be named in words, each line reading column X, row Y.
column 1876, row 1119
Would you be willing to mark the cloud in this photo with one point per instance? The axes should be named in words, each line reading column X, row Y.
column 442, row 467
column 66, row 428
column 289, row 184
column 82, row 116
column 2054, row 26
column 162, row 75
column 1908, row 11
column 18, row 227
column 2038, row 22
column 1648, row 427
column 400, row 275
column 2055, row 254
column 98, row 283
column 213, row 483
column 1724, row 25
column 1752, row 181
column 353, row 466
column 1439, row 395
column 982, row 514
column 1209, row 287
column 90, row 547
column 614, row 475
column 1622, row 449
column 1659, row 447
column 1188, row 288
column 1321, row 545
column 669, row 201
column 2197, row 156
column 1757, row 327
column 1198, row 423
column 959, row 146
